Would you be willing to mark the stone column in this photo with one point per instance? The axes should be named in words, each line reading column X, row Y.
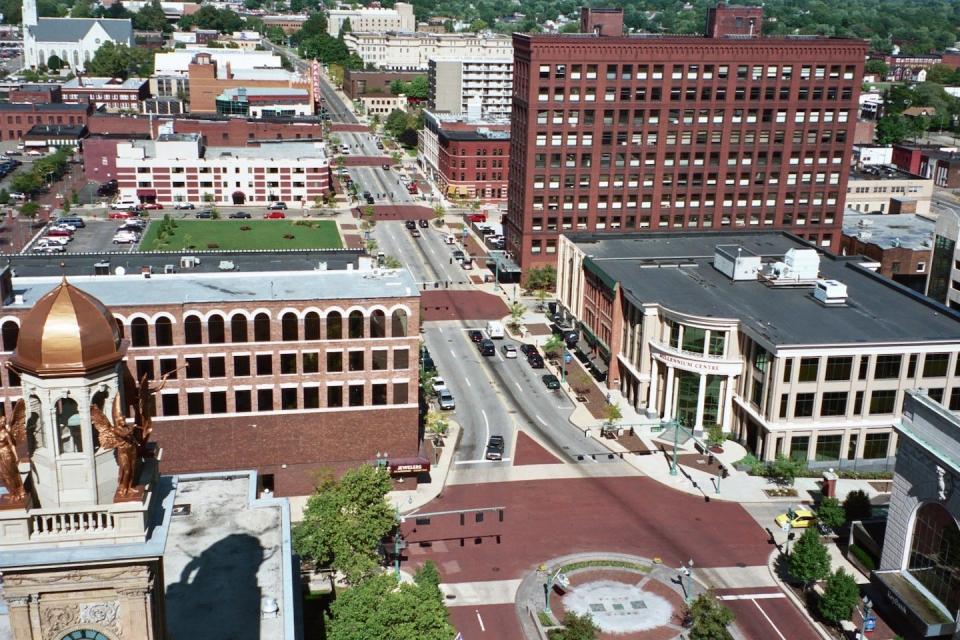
column 701, row 397
column 135, row 612
column 668, row 395
column 652, row 400
column 728, row 404
column 20, row 618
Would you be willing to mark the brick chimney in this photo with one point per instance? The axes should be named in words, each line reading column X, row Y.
column 737, row 21
column 601, row 22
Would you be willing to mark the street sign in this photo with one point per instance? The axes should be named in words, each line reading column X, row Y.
column 869, row 624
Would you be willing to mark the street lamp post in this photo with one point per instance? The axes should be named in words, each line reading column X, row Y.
column 399, row 544
column 563, row 369
column 689, row 575
column 684, row 574
column 547, row 585
column 867, row 607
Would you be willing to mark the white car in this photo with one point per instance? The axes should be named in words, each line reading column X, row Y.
column 16, row 195
column 184, row 205
column 125, row 238
column 64, row 226
column 57, row 240
column 439, row 383
column 34, row 152
column 509, row 351
column 126, row 205
column 48, row 248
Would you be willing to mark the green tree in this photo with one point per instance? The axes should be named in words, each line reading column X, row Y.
column 315, row 25
column 840, row 596
column 4, row 196
column 438, row 214
column 941, row 74
column 391, row 262
column 892, row 129
column 784, row 470
column 120, row 61
column 29, row 209
column 344, row 522
column 830, row 512
column 428, row 578
column 27, row 182
column 116, row 11
column 553, row 347
column 54, row 63
column 396, row 123
column 152, row 18
column 611, row 415
column 345, row 28
column 542, row 278
column 210, row 17
column 517, row 312
column 380, row 608
column 878, row 67
column 575, row 627
column 708, row 618
column 809, row 561
column 857, row 506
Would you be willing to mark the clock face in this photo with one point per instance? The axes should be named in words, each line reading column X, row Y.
column 84, row 634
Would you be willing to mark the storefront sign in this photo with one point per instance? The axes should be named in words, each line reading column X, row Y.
column 408, row 466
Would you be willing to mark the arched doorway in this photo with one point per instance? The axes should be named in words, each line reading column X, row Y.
column 239, row 197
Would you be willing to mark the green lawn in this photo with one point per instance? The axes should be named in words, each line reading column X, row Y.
column 228, row 234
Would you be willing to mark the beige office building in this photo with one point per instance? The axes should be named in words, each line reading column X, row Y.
column 886, row 189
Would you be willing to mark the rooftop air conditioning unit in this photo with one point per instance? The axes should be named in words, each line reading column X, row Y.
column 830, row 292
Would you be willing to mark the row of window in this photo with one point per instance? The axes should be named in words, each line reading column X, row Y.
column 290, row 399
column 629, row 71
column 830, row 447
column 625, row 117
column 554, row 93
column 673, row 137
column 834, row 403
column 886, row 367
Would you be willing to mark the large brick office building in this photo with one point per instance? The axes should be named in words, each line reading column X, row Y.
column 614, row 132
column 279, row 366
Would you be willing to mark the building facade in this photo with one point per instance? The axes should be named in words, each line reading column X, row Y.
column 73, row 40
column 358, row 83
column 110, row 94
column 790, row 350
column 466, row 159
column 938, row 163
column 623, row 133
column 413, row 51
column 944, row 283
column 178, row 168
column 216, row 130
column 902, row 245
column 17, row 119
column 207, row 82
column 318, row 372
column 383, row 105
column 457, row 84
column 364, row 19
column 886, row 189
column 265, row 101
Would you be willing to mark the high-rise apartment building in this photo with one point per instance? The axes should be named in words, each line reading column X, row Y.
column 457, row 84
column 727, row 131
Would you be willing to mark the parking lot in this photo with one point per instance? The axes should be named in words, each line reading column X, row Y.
column 97, row 237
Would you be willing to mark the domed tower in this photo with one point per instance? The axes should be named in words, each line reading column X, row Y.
column 69, row 357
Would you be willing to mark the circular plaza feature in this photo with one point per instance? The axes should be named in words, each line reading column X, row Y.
column 618, row 607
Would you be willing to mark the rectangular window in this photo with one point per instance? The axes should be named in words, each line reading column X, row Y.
column 217, row 366
column 378, row 359
column 828, row 447
column 379, row 394
column 936, row 394
column 955, row 399
column 355, row 395
column 171, row 404
column 335, row 396
column 264, row 399
column 833, row 403
column 808, row 369
column 838, row 368
column 168, row 367
column 356, row 360
column 757, row 395
column 799, row 448
column 858, row 404
column 311, row 397
column 882, row 401
column 400, row 393
column 195, row 403
column 935, row 365
column 864, row 367
column 887, row 367
column 218, row 402
column 241, row 365
column 311, row 362
column 787, row 369
column 288, row 399
column 784, row 402
column 334, row 361
column 194, row 367
column 401, row 358
column 242, row 401
column 264, row 364
column 875, row 445
column 803, row 405
column 145, row 368
column 288, row 363
column 912, row 367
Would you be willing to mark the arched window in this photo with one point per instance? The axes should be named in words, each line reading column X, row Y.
column 119, row 324
column 35, row 439
column 238, row 328
column 192, row 330
column 84, row 634
column 311, row 326
column 355, row 325
column 68, row 426
column 163, row 330
column 289, row 326
column 139, row 333
column 935, row 554
column 399, row 321
column 10, row 331
column 378, row 324
column 334, row 325
column 215, row 330
column 261, row 327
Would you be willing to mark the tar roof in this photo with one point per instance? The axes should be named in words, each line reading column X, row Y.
column 75, row 29
column 193, row 288
column 890, row 231
column 676, row 271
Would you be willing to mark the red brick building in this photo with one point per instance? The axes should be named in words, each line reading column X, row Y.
column 37, row 93
column 111, row 94
column 942, row 165
column 318, row 374
column 633, row 133
column 364, row 83
column 466, row 159
column 17, row 119
column 216, row 130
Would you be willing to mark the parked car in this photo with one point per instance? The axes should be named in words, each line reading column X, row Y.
column 60, row 240
column 551, row 382
column 48, row 248
column 34, row 152
column 148, row 206
column 476, row 217
column 76, row 221
column 370, row 200
column 445, row 399
column 423, row 223
column 12, row 152
column 458, row 255
column 16, row 195
column 535, row 360
column 410, row 224
column 239, row 215
column 125, row 238
column 495, row 448
column 475, row 335
column 278, row 206
column 275, row 215
column 796, row 518
column 188, row 206
column 527, row 349
column 438, row 383
column 415, row 233
column 62, row 233
column 509, row 351
column 204, row 214
column 487, row 348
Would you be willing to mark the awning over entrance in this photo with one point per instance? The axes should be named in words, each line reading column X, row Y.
column 903, row 593
column 403, row 466
column 146, row 193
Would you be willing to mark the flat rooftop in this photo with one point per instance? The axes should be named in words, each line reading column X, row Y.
column 272, row 150
column 675, row 270
column 90, row 264
column 104, row 83
column 253, row 92
column 883, row 172
column 235, row 287
column 223, row 557
column 906, row 230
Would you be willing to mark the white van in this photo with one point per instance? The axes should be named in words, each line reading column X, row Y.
column 127, row 203
column 495, row 329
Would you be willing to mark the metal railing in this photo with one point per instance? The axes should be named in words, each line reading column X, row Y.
column 72, row 523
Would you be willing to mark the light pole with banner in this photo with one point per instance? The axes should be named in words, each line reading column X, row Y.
column 567, row 358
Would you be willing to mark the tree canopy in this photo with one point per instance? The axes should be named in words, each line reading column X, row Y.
column 840, row 596
column 418, row 88
column 120, row 61
column 209, row 17
column 809, row 560
column 709, row 619
column 152, row 18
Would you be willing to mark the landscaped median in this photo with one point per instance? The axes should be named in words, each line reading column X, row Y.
column 176, row 235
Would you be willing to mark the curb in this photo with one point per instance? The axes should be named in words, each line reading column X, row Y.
column 793, row 597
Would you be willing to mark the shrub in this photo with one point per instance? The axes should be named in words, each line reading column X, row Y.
column 863, row 557
column 857, row 506
column 831, row 513
column 213, row 245
column 245, row 228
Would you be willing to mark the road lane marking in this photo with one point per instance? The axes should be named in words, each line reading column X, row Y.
column 751, row 596
column 486, row 424
column 480, row 461
column 518, row 386
column 764, row 614
column 467, row 380
column 541, row 420
column 480, row 620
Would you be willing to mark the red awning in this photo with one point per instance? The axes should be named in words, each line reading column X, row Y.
column 146, row 193
column 408, row 465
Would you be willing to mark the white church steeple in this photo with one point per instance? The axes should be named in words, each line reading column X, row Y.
column 29, row 13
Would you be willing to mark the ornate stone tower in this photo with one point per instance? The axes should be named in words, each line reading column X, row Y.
column 84, row 521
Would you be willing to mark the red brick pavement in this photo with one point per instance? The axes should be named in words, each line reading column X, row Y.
column 387, row 212
column 443, row 304
column 549, row 518
column 528, row 451
column 366, row 161
column 771, row 619
column 499, row 622
column 349, row 128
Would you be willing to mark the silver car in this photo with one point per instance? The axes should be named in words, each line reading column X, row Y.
column 445, row 400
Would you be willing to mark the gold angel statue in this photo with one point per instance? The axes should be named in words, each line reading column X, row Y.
column 123, row 438
column 143, row 407
column 12, row 432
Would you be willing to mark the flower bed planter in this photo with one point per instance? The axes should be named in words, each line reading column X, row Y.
column 781, row 492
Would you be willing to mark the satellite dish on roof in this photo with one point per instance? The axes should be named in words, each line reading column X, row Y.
column 120, row 271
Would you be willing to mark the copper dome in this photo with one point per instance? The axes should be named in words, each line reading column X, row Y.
column 68, row 332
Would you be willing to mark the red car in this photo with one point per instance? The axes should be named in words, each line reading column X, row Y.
column 275, row 215
column 152, row 205
column 477, row 217
column 120, row 215
column 412, row 188
column 60, row 233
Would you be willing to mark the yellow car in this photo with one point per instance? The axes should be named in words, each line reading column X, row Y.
column 797, row 518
